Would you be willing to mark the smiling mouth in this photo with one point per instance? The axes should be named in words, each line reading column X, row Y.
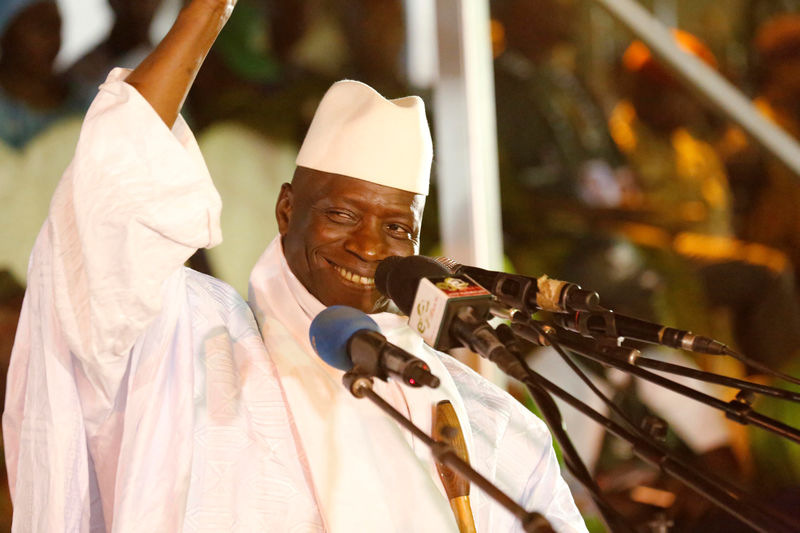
column 352, row 277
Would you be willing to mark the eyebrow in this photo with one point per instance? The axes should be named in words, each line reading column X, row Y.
column 391, row 209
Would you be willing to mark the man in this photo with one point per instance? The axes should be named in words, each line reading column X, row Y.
column 145, row 398
column 33, row 94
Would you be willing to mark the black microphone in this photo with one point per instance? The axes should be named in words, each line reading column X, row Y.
column 583, row 312
column 526, row 293
column 348, row 339
column 431, row 297
column 447, row 311
column 607, row 323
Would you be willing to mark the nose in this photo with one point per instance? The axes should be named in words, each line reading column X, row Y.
column 367, row 242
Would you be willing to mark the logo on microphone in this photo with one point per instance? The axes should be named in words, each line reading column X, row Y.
column 434, row 297
column 423, row 321
column 457, row 287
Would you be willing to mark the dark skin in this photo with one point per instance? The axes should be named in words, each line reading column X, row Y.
column 31, row 43
column 331, row 223
column 164, row 77
column 326, row 221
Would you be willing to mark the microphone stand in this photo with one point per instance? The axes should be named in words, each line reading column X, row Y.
column 622, row 358
column 608, row 339
column 716, row 490
column 709, row 377
column 547, row 406
column 603, row 324
column 360, row 386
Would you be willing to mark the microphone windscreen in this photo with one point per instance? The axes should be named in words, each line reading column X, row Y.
column 385, row 268
column 332, row 328
column 404, row 276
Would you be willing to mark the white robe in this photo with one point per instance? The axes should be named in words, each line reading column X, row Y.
column 141, row 396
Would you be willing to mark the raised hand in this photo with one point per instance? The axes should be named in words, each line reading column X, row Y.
column 225, row 7
column 165, row 76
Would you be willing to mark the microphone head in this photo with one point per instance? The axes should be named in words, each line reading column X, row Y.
column 402, row 277
column 332, row 328
column 449, row 264
column 384, row 270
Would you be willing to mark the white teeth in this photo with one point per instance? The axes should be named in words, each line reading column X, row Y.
column 355, row 278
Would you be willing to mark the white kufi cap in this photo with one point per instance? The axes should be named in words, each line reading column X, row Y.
column 358, row 133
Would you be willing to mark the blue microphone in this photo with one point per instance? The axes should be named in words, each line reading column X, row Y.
column 348, row 339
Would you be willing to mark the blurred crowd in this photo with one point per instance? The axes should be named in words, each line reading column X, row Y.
column 637, row 191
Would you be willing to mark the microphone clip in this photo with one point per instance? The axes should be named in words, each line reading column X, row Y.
column 596, row 323
column 599, row 324
column 357, row 382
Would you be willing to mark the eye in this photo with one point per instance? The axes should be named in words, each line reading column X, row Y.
column 340, row 216
column 399, row 231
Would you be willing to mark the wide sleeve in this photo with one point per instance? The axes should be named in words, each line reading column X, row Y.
column 134, row 204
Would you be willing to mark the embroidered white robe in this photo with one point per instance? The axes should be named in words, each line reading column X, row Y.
column 142, row 396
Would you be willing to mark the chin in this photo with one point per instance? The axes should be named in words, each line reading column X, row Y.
column 367, row 304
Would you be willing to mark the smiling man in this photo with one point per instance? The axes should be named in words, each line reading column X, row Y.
column 336, row 229
column 357, row 194
column 144, row 396
column 356, row 198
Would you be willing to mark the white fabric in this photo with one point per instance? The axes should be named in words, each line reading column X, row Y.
column 248, row 171
column 28, row 178
column 506, row 443
column 357, row 132
column 350, row 445
column 141, row 396
column 124, row 413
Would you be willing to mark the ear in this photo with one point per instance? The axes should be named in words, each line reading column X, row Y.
column 283, row 208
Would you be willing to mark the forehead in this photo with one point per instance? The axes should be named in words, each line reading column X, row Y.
column 322, row 188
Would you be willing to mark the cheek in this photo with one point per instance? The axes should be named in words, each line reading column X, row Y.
column 297, row 241
column 402, row 248
column 322, row 232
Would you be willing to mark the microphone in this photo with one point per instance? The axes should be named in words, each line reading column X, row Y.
column 348, row 339
column 445, row 310
column 431, row 297
column 583, row 312
column 526, row 293
column 606, row 322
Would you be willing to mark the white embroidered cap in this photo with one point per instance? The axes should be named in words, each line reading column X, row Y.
column 358, row 133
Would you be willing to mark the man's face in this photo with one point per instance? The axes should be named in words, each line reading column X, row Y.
column 336, row 230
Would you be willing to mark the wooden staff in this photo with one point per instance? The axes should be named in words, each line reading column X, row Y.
column 446, row 428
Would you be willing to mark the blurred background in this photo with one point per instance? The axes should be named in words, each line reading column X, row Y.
column 567, row 145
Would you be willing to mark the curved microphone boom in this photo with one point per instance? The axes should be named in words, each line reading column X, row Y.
column 348, row 339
